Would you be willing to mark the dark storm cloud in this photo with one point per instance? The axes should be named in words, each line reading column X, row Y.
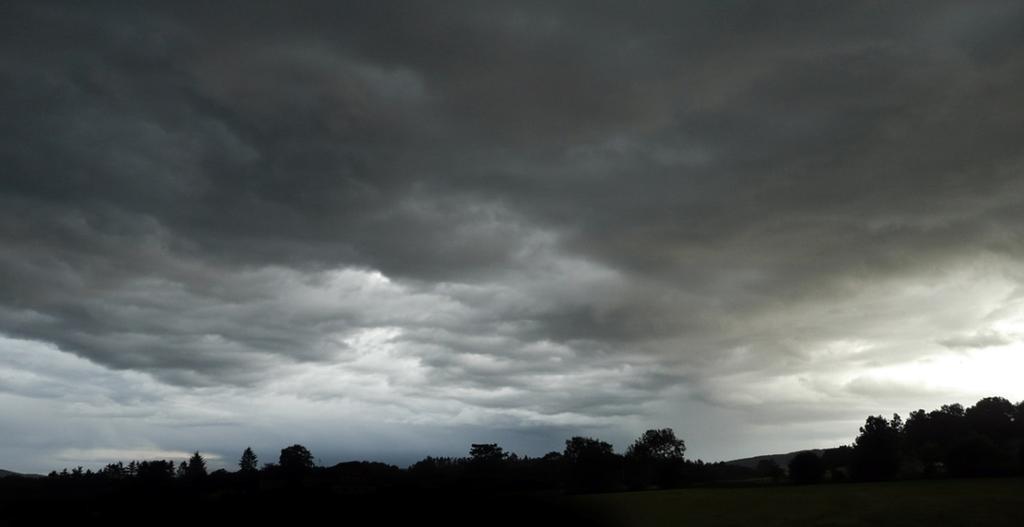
column 531, row 196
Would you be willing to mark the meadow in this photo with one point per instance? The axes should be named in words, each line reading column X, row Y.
column 947, row 502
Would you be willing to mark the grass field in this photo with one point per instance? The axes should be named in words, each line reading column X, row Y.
column 935, row 503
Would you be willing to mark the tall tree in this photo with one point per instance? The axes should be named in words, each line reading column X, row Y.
column 876, row 451
column 248, row 461
column 196, row 466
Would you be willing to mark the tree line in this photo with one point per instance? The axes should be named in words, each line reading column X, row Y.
column 986, row 439
column 586, row 464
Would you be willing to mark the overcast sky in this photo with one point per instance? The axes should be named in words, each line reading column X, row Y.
column 384, row 230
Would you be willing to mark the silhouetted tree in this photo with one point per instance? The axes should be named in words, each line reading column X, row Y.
column 992, row 417
column 435, row 472
column 487, row 466
column 930, row 437
column 155, row 471
column 182, row 471
column 806, row 467
column 876, row 451
column 656, row 457
column 984, row 439
column 487, row 453
column 657, row 444
column 295, row 458
column 1018, row 433
column 248, row 462
column 196, row 467
column 592, row 464
column 114, row 471
column 919, row 439
column 580, row 449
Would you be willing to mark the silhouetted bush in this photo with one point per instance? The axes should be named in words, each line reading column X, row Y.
column 768, row 468
column 837, row 462
column 806, row 467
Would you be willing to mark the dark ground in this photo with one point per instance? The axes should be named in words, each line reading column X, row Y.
column 935, row 503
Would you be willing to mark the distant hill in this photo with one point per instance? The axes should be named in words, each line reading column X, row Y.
column 7, row 473
column 781, row 459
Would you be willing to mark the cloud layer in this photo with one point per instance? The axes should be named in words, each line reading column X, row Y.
column 526, row 218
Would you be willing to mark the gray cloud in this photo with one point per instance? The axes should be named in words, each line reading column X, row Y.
column 531, row 215
column 977, row 340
